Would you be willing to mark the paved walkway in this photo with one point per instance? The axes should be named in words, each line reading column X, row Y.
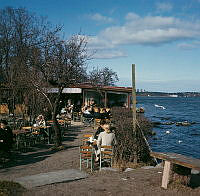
column 51, row 177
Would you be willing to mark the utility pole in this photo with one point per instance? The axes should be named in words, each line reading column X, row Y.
column 133, row 98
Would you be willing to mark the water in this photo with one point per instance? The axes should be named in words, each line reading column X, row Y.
column 171, row 138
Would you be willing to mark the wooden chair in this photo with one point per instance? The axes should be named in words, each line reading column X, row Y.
column 97, row 122
column 106, row 155
column 23, row 138
column 86, row 156
column 86, row 138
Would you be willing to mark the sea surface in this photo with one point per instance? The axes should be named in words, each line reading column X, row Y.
column 171, row 138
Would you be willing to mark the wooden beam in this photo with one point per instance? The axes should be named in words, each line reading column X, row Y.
column 178, row 159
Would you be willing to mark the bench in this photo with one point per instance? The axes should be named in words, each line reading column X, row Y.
column 176, row 167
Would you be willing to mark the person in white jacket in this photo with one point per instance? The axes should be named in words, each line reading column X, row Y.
column 105, row 138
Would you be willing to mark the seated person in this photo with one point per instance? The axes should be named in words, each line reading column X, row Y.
column 104, row 114
column 92, row 103
column 6, row 137
column 108, row 113
column 63, row 110
column 105, row 138
column 95, row 137
column 100, row 128
column 87, row 112
column 40, row 122
column 97, row 114
column 69, row 110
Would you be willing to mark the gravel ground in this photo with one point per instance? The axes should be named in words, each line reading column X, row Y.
column 41, row 159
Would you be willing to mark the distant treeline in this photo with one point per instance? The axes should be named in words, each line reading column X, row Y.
column 163, row 94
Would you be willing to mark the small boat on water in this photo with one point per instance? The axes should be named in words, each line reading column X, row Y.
column 159, row 106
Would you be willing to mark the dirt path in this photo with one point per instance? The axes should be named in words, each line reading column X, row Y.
column 41, row 159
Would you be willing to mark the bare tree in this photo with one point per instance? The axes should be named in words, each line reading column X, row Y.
column 21, row 34
column 63, row 67
column 33, row 58
column 103, row 77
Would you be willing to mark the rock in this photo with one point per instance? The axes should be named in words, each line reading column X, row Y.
column 184, row 123
column 193, row 171
column 148, row 167
column 168, row 123
column 160, row 165
column 128, row 169
column 153, row 133
column 109, row 169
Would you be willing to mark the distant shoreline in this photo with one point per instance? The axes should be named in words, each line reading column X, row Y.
column 173, row 95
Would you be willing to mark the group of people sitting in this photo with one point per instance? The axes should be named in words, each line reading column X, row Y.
column 95, row 112
column 104, row 136
column 66, row 112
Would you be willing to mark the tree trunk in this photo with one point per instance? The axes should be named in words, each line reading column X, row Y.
column 56, row 126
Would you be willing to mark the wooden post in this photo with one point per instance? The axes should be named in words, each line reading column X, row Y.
column 134, row 111
column 133, row 97
column 166, row 174
column 105, row 103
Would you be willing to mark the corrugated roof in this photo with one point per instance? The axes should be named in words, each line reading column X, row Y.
column 106, row 88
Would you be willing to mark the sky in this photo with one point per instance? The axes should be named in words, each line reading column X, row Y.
column 161, row 37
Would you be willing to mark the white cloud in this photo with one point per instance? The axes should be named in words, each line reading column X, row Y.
column 164, row 7
column 109, row 54
column 100, row 18
column 148, row 30
column 189, row 46
column 96, row 43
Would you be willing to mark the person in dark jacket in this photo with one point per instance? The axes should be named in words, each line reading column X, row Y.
column 100, row 128
column 6, row 137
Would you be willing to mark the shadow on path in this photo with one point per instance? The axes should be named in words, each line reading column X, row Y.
column 72, row 133
column 40, row 152
column 195, row 181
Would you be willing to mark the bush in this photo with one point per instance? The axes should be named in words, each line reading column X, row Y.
column 131, row 146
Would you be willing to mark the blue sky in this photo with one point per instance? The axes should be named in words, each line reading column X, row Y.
column 162, row 37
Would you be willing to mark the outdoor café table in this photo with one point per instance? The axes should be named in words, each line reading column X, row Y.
column 60, row 121
column 27, row 128
column 18, row 133
column 46, row 129
column 63, row 122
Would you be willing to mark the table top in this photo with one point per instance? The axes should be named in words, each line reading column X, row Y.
column 27, row 128
column 20, row 131
column 41, row 127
